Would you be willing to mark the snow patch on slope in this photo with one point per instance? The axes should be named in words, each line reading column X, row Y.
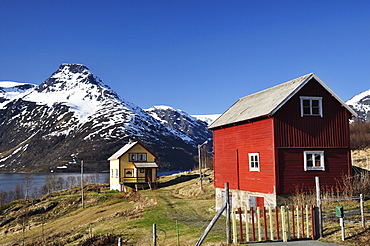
column 70, row 89
column 361, row 104
column 10, row 90
column 209, row 118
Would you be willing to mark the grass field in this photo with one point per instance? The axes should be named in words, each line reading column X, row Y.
column 179, row 209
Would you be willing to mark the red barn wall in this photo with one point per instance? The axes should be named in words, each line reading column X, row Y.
column 281, row 141
column 331, row 130
column 293, row 176
column 231, row 164
column 329, row 133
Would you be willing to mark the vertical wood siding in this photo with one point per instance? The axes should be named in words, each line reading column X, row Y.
column 280, row 142
column 232, row 145
column 331, row 130
column 329, row 133
column 292, row 174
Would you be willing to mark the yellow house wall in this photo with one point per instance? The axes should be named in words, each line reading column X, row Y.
column 114, row 180
column 114, row 165
column 126, row 164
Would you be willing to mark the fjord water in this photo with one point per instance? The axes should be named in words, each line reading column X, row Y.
column 8, row 181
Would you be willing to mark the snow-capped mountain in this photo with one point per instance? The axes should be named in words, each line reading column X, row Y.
column 361, row 104
column 73, row 111
column 184, row 124
column 209, row 118
column 10, row 90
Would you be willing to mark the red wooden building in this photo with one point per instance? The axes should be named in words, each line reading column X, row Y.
column 269, row 143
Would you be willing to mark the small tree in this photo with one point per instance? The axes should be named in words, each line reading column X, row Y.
column 28, row 179
column 3, row 195
column 71, row 182
column 60, row 183
column 50, row 183
column 10, row 196
column 18, row 192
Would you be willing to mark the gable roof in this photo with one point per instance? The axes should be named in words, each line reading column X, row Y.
column 269, row 101
column 125, row 149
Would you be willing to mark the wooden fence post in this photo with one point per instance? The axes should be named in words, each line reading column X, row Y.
column 307, row 222
column 246, row 224
column 293, row 224
column 318, row 204
column 313, row 218
column 341, row 221
column 241, row 224
column 233, row 222
column 271, row 224
column 265, row 224
column 259, row 223
column 154, row 235
column 228, row 229
column 284, row 224
column 253, row 227
column 297, row 219
column 362, row 210
column 177, row 233
column 302, row 211
column 277, row 222
column 288, row 223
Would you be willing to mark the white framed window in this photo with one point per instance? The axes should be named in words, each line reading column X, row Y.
column 117, row 173
column 254, row 162
column 141, row 157
column 314, row 160
column 137, row 157
column 311, row 106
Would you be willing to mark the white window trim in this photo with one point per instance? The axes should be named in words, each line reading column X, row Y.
column 254, row 169
column 311, row 98
column 137, row 157
column 322, row 162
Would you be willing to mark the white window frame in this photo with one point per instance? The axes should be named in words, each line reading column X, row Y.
column 310, row 99
column 141, row 157
column 252, row 162
column 314, row 168
column 137, row 157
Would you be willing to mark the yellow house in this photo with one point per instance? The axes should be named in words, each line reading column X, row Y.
column 132, row 165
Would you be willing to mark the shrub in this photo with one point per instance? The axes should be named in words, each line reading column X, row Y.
column 360, row 134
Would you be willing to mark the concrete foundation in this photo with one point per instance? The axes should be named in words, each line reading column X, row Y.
column 248, row 199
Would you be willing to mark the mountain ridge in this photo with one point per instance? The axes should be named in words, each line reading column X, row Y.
column 360, row 103
column 73, row 111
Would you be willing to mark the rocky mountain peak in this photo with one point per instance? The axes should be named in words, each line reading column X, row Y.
column 361, row 104
column 181, row 122
column 73, row 68
column 75, row 86
column 69, row 76
column 10, row 90
column 74, row 111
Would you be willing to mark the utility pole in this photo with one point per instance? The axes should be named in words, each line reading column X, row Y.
column 200, row 163
column 82, row 182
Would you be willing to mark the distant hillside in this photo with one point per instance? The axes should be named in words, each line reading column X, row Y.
column 74, row 112
column 361, row 104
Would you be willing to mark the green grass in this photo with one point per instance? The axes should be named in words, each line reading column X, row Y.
column 119, row 214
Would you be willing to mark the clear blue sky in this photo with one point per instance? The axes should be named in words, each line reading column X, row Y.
column 199, row 56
